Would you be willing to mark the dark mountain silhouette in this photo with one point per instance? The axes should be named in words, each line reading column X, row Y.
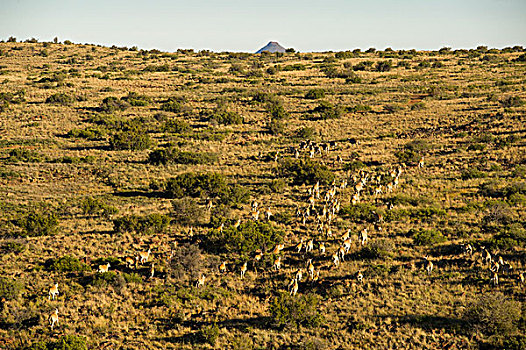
column 272, row 46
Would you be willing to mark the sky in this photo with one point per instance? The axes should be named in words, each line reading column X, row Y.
column 247, row 25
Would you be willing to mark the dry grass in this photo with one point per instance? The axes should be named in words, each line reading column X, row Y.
column 458, row 117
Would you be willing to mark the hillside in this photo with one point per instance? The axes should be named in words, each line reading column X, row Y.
column 107, row 153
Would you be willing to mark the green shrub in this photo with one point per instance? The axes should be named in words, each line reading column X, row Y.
column 264, row 97
column 305, row 171
column 135, row 99
column 132, row 277
column 276, row 127
column 9, row 288
column 186, row 264
column 354, row 165
column 493, row 313
column 112, row 104
column 66, row 264
column 327, row 110
column 174, row 105
column 277, row 185
column 60, row 98
column 427, row 237
column 277, row 111
column 24, row 155
column 88, row 133
column 509, row 237
column 315, row 94
column 473, row 173
column 176, row 126
column 378, row 249
column 226, row 117
column 14, row 246
column 360, row 212
column 38, row 223
column 383, row 66
column 173, row 155
column 96, row 207
column 186, row 211
column 148, row 224
column 66, row 342
column 305, row 133
column 130, row 140
column 196, row 185
column 209, row 334
column 288, row 311
column 110, row 278
column 245, row 239
column 511, row 101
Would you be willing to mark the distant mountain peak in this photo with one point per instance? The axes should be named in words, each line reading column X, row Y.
column 272, row 46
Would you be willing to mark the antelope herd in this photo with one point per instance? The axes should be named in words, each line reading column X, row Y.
column 319, row 212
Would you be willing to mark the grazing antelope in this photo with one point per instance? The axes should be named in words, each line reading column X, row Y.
column 278, row 248
column 104, row 268
column 428, row 265
column 347, row 245
column 244, row 269
column 346, row 235
column 277, row 264
column 53, row 291
column 258, row 256
column 222, row 267
column 238, row 222
column 299, row 246
column 200, row 281
column 421, row 163
column 486, row 256
column 53, row 318
column 341, row 253
column 363, row 236
column 143, row 256
column 322, row 248
column 494, row 267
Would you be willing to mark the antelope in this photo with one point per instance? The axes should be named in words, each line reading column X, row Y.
column 268, row 214
column 130, row 262
column 244, row 269
column 336, row 259
column 495, row 279
column 255, row 215
column 238, row 222
column 209, row 205
column 486, row 256
column 258, row 255
column 221, row 227
column 322, row 248
column 468, row 249
column 104, row 268
column 278, row 248
column 299, row 275
column 310, row 269
column 152, row 270
column 347, row 245
column 296, row 154
column 521, row 278
column 222, row 267
column 200, row 281
column 299, row 246
column 355, row 198
column 346, row 235
column 53, row 318
column 359, row 276
column 294, row 288
column 53, row 291
column 277, row 263
column 144, row 256
column 341, row 253
column 363, row 236
column 309, row 247
column 254, row 205
column 494, row 267
column 421, row 163
column 428, row 265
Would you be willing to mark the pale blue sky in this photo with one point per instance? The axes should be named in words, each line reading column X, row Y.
column 247, row 25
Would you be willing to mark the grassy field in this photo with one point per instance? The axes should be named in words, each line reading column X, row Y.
column 106, row 153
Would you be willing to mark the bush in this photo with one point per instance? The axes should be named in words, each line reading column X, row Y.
column 186, row 264
column 427, row 237
column 511, row 101
column 130, row 140
column 110, row 278
column 276, row 127
column 305, row 171
column 277, row 111
column 245, row 239
column 315, row 94
column 96, row 207
column 173, row 155
column 327, row 110
column 60, row 98
column 9, row 289
column 38, row 223
column 66, row 342
column 305, row 133
column 494, row 313
column 89, row 133
column 204, row 185
column 24, row 155
column 149, row 224
column 112, row 104
column 66, row 264
column 509, row 237
column 378, row 249
column 473, row 174
column 176, row 126
column 173, row 105
column 383, row 66
column 135, row 99
column 226, row 117
column 288, row 311
column 186, row 211
column 209, row 334
column 360, row 213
